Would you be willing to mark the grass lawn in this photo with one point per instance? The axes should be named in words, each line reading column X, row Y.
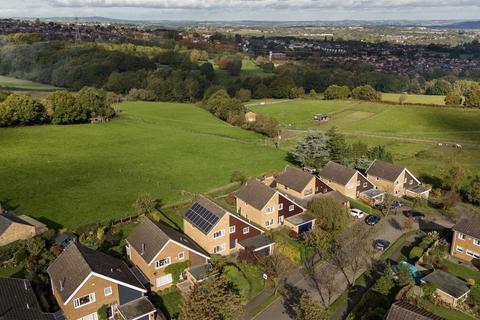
column 169, row 302
column 13, row 83
column 79, row 174
column 247, row 278
column 462, row 272
column 354, row 117
column 415, row 98
column 447, row 313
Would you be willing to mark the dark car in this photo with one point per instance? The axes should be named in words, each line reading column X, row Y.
column 372, row 220
column 417, row 215
column 397, row 204
column 381, row 244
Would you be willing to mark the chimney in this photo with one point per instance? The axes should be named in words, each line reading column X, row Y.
column 143, row 249
column 28, row 306
column 61, row 285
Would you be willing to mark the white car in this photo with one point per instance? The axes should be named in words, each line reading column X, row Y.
column 357, row 213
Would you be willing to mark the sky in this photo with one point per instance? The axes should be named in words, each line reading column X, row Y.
column 271, row 10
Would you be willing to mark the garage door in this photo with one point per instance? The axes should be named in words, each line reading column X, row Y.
column 161, row 281
column 92, row 316
column 305, row 227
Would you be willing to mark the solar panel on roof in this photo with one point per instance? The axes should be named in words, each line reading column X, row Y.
column 201, row 217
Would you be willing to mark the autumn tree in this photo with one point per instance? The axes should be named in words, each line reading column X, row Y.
column 215, row 299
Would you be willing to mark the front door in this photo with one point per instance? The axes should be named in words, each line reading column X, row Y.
column 164, row 280
column 280, row 220
column 92, row 316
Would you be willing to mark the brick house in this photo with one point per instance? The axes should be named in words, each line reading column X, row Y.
column 14, row 228
column 219, row 231
column 84, row 280
column 396, row 180
column 345, row 180
column 269, row 208
column 299, row 184
column 151, row 247
column 466, row 240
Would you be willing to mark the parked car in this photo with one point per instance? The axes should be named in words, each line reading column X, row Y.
column 417, row 215
column 380, row 244
column 397, row 204
column 372, row 220
column 357, row 213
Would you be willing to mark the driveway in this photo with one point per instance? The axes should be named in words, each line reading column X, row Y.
column 388, row 229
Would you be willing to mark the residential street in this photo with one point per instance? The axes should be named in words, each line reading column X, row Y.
column 388, row 229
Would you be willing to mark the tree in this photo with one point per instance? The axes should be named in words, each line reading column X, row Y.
column 267, row 126
column 428, row 289
column 141, row 95
column 312, row 94
column 261, row 91
column 21, row 110
column 311, row 151
column 224, row 107
column 472, row 190
column 453, row 178
column 234, row 67
column 63, row 109
column 439, row 87
column 308, row 309
column 454, row 98
column 144, row 204
column 35, row 246
column 379, row 152
column 276, row 267
column 415, row 253
column 94, row 101
column 281, row 87
column 402, row 98
column 215, row 298
column 404, row 275
column 335, row 92
column 338, row 149
column 207, row 70
column 449, row 199
column 367, row 93
column 385, row 283
column 331, row 215
column 243, row 95
column 472, row 98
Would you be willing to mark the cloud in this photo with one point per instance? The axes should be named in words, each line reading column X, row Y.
column 273, row 4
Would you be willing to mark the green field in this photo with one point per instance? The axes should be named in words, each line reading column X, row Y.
column 13, row 83
column 415, row 98
column 79, row 174
column 438, row 123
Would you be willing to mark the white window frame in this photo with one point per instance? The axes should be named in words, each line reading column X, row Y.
column 246, row 230
column 221, row 248
column 460, row 249
column 181, row 255
column 280, row 206
column 232, row 229
column 280, row 219
column 269, row 223
column 461, row 236
column 291, row 208
column 76, row 302
column 106, row 290
column 269, row 210
column 358, row 183
column 476, row 242
column 167, row 260
column 216, row 236
column 473, row 254
column 365, row 184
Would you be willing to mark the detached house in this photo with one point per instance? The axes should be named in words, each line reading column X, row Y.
column 84, row 280
column 218, row 231
column 299, row 184
column 270, row 209
column 349, row 182
column 151, row 247
column 466, row 240
column 396, row 180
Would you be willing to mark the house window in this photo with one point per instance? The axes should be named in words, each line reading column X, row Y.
column 378, row 178
column 181, row 255
column 218, row 234
column 280, row 220
column 280, row 206
column 291, row 207
column 162, row 262
column 405, row 180
column 246, row 230
column 82, row 301
column 411, row 181
column 269, row 222
column 219, row 248
column 460, row 249
column 473, row 254
column 476, row 242
column 232, row 229
column 107, row 291
column 269, row 209
column 358, row 183
column 461, row 236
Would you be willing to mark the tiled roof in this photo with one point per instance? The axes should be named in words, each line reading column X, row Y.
column 136, row 308
column 76, row 263
column 384, row 170
column 153, row 237
column 293, row 178
column 447, row 283
column 6, row 220
column 18, row 301
column 337, row 172
column 255, row 193
column 402, row 310
column 469, row 226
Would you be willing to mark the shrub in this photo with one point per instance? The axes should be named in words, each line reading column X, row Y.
column 141, row 94
column 471, row 282
column 334, row 92
column 424, row 244
column 102, row 312
column 415, row 253
column 177, row 269
column 428, row 289
column 238, row 176
column 21, row 110
column 243, row 95
column 454, row 98
column 367, row 93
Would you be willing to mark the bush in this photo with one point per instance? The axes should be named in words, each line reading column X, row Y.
column 141, row 94
column 334, row 92
column 367, row 93
column 415, row 253
column 425, row 244
column 471, row 282
column 21, row 110
column 243, row 95
column 238, row 176
column 454, row 98
column 176, row 269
